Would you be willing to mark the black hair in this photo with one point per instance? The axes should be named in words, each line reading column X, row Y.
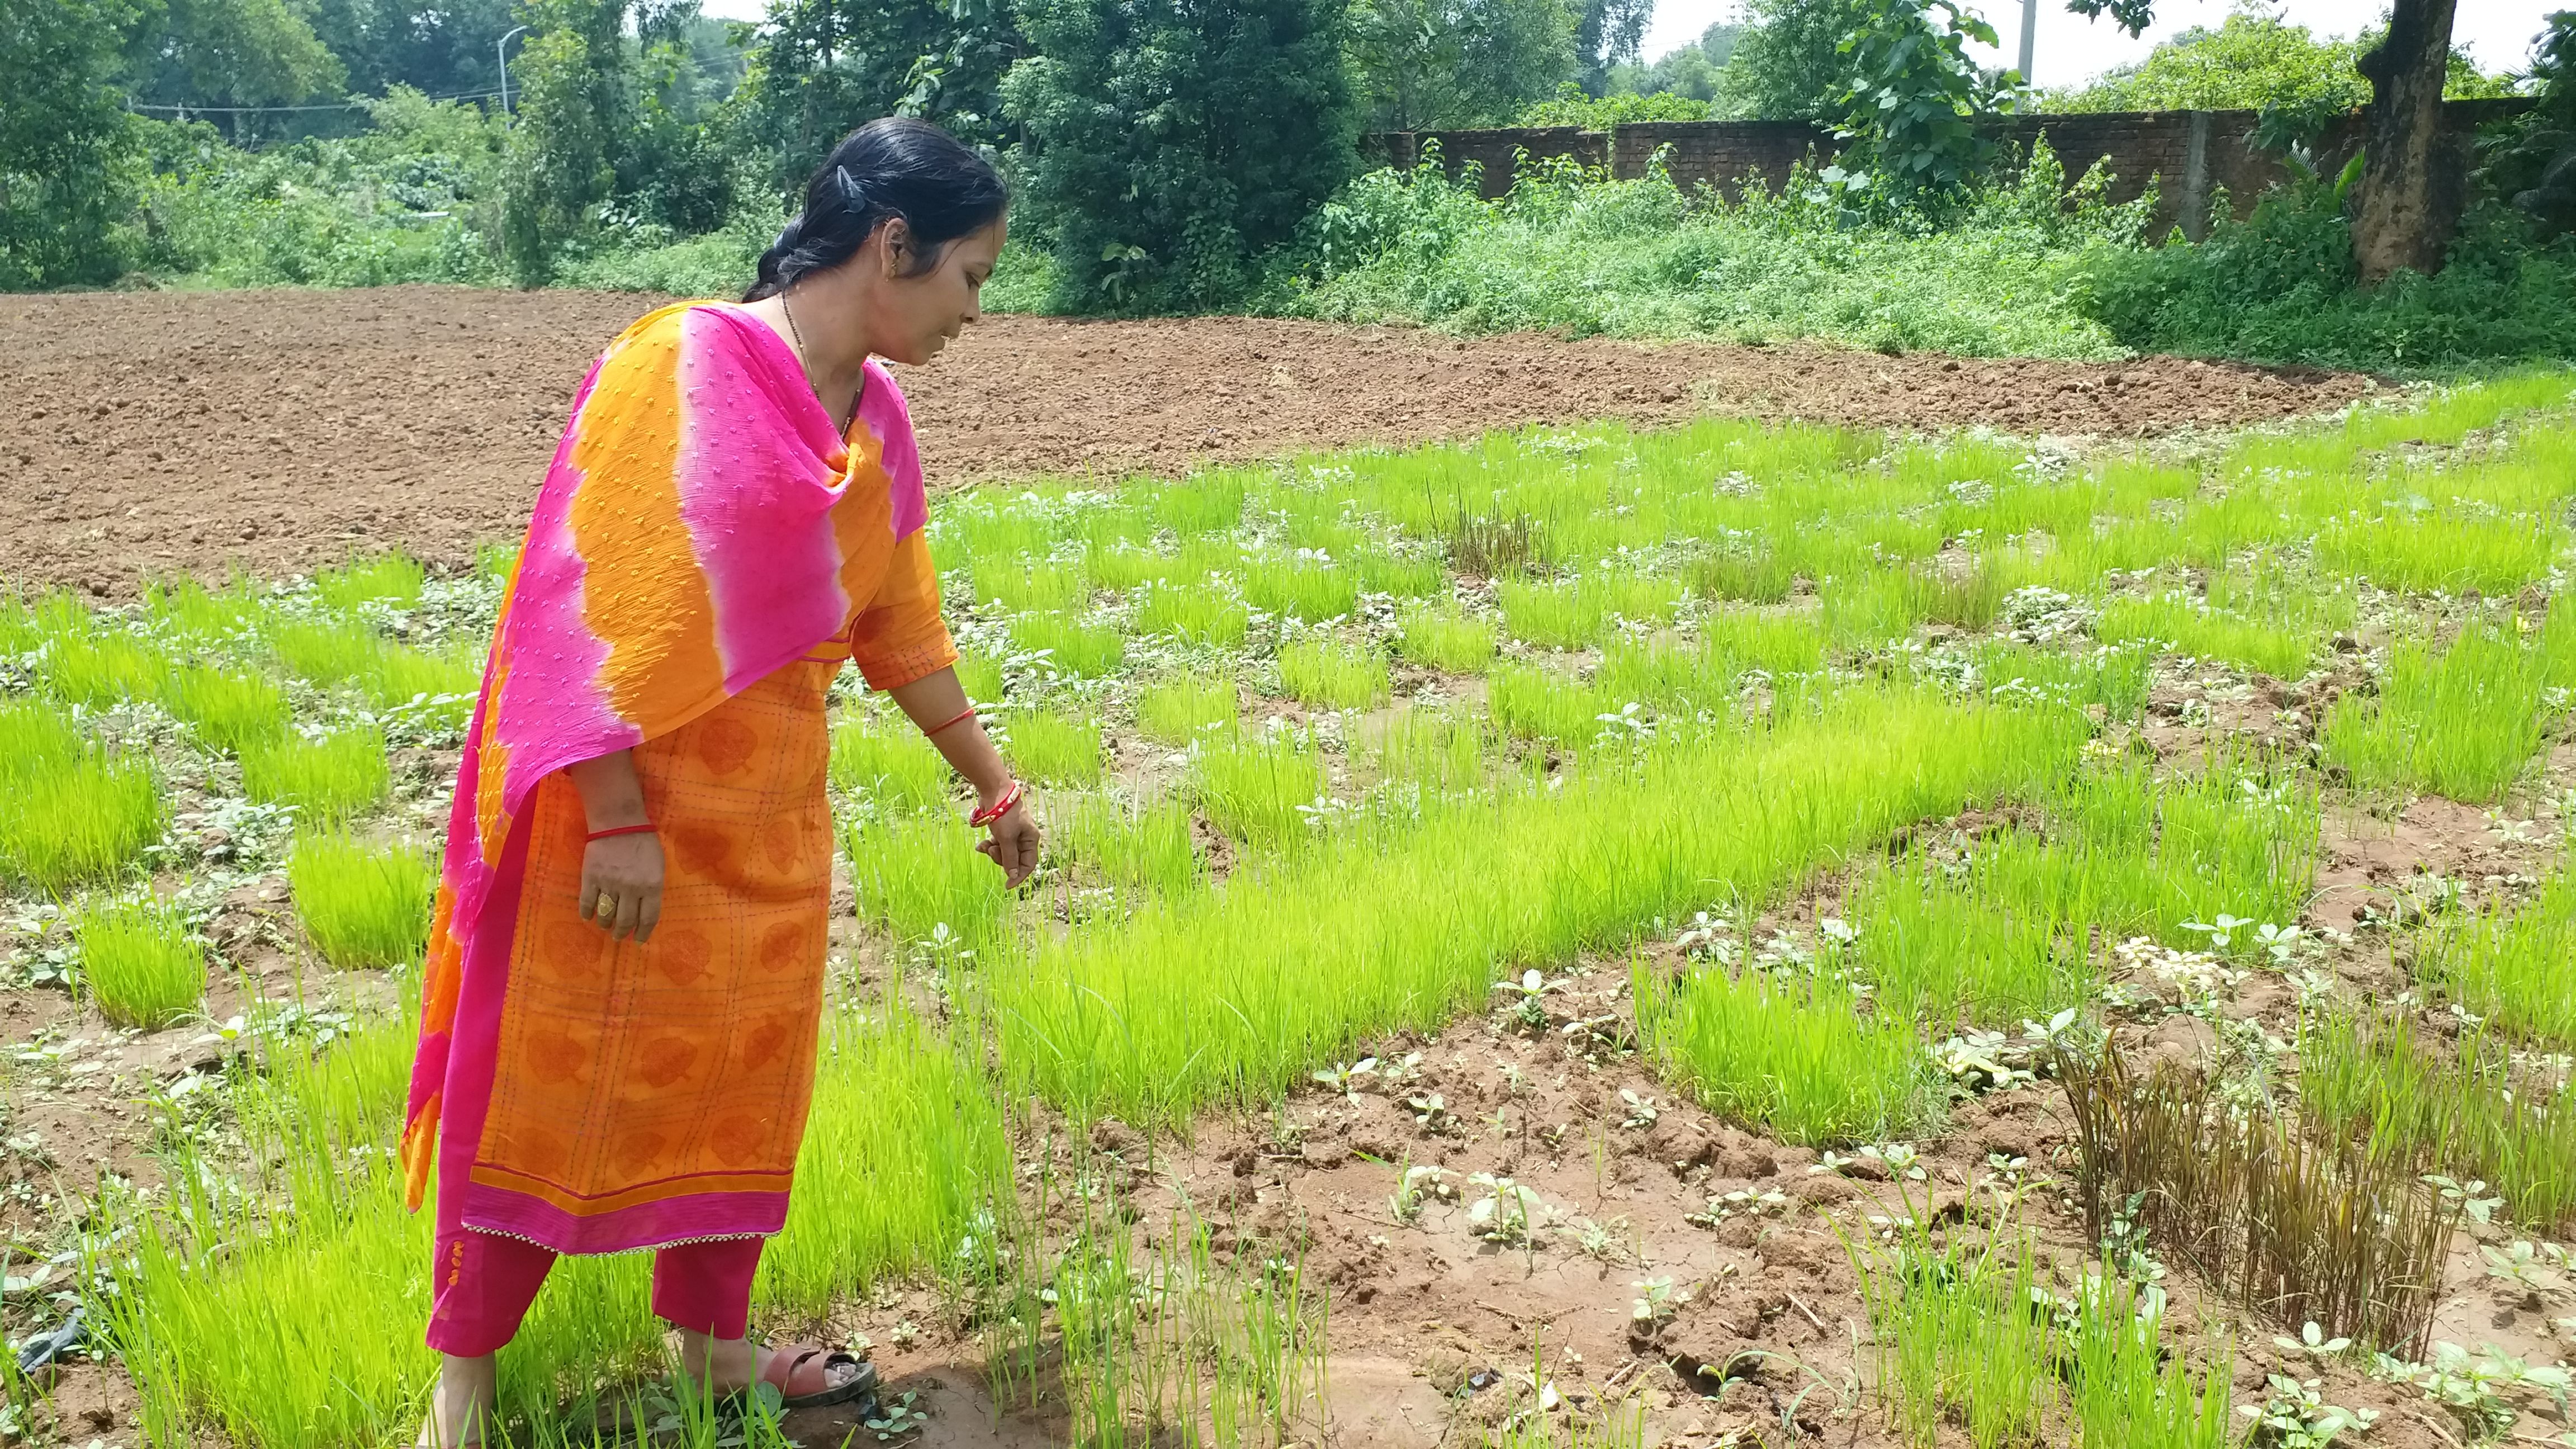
column 892, row 167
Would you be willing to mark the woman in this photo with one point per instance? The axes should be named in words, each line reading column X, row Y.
column 625, row 973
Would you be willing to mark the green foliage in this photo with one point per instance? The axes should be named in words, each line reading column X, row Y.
column 1054, row 749
column 1326, row 675
column 1790, row 1059
column 1606, row 36
column 2531, row 159
column 1788, row 64
column 1426, row 64
column 140, row 962
column 2281, row 287
column 1690, row 73
column 2253, row 61
column 361, row 905
column 1908, row 106
column 1180, row 710
column 1643, row 258
column 68, row 150
column 1170, row 147
column 68, row 811
column 562, row 154
column 823, row 68
column 229, row 53
column 1570, row 106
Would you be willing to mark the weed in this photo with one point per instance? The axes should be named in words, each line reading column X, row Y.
column 140, row 962
column 361, row 906
column 327, row 779
column 1321, row 673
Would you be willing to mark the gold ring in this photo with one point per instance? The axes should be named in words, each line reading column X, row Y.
column 607, row 908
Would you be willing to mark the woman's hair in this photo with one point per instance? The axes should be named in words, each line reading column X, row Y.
column 888, row 168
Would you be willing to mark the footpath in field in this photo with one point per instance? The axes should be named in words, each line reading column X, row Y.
column 1713, row 935
column 285, row 430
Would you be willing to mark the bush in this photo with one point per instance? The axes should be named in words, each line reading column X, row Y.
column 2280, row 287
column 1171, row 146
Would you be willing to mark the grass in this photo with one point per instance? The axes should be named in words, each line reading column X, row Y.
column 1792, row 1059
column 1195, row 614
column 1082, row 650
column 328, row 778
column 229, row 711
column 141, row 963
column 2183, row 627
column 1178, row 711
column 69, row 812
column 885, row 759
column 361, row 905
column 2462, row 721
column 1054, row 749
column 2508, row 963
column 1446, row 638
column 1327, row 675
column 1137, row 847
column 1582, row 613
column 1259, row 791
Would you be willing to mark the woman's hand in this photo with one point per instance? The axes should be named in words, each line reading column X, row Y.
column 621, row 885
column 1013, row 843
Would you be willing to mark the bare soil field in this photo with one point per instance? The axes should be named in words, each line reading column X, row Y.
column 152, row 433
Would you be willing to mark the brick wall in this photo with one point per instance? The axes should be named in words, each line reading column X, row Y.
column 2189, row 153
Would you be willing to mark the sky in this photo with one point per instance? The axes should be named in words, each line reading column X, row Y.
column 2071, row 49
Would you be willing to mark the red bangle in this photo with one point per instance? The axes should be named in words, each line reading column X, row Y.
column 620, row 830
column 1000, row 808
column 962, row 715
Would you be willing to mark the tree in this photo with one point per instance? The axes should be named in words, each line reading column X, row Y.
column 227, row 53
column 2254, row 61
column 575, row 112
column 1172, row 143
column 1909, row 107
column 1608, row 33
column 438, row 49
column 1788, row 64
column 821, row 68
column 67, row 146
column 2412, row 189
column 1429, row 64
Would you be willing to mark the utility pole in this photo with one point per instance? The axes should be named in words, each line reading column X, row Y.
column 2029, row 36
column 501, row 53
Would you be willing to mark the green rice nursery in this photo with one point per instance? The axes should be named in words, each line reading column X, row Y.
column 1744, row 933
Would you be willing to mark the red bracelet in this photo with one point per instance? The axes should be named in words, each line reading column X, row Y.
column 962, row 715
column 620, row 830
column 1000, row 808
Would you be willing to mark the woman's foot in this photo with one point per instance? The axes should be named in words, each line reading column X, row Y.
column 730, row 1365
column 461, row 1407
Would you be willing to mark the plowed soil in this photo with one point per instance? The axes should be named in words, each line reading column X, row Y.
column 148, row 434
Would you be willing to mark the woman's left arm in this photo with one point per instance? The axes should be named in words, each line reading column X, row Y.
column 937, row 700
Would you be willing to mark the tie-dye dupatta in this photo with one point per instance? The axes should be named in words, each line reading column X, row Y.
column 701, row 527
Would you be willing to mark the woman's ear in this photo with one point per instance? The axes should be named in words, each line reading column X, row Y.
column 898, row 247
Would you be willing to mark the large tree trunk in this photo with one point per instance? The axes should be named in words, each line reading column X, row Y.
column 2417, row 177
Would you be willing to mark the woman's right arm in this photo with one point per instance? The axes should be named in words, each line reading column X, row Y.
column 625, row 870
column 937, row 699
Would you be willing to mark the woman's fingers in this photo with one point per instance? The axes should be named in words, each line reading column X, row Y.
column 649, row 916
column 630, row 913
column 621, row 885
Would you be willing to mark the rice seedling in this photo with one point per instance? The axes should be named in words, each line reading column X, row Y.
column 103, row 671
column 1120, row 567
column 361, row 905
column 2433, row 551
column 1791, row 1058
column 1081, row 650
column 1535, row 703
column 1444, row 637
column 1752, row 576
column 920, row 879
column 887, row 760
column 391, row 580
column 2302, row 1225
column 2507, row 962
column 1194, row 613
column 386, row 674
column 139, row 961
column 69, row 812
column 1054, row 749
column 2463, row 722
column 1439, row 752
column 2462, row 1104
column 1321, row 673
column 1259, row 791
column 327, row 779
column 1025, row 587
column 980, row 675
column 1404, row 576
column 1309, row 589
column 1972, row 1332
column 1209, row 502
column 1579, row 614
column 192, row 610
column 227, row 710
column 2185, row 628
column 1179, row 711
column 1945, row 953
column 1136, row 847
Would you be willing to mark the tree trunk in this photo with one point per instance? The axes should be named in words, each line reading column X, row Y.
column 2417, row 176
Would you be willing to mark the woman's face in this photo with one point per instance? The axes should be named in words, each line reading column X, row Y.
column 920, row 314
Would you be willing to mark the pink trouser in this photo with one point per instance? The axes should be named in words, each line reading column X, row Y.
column 484, row 1283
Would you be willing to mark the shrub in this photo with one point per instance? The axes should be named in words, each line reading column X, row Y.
column 361, row 906
column 139, row 962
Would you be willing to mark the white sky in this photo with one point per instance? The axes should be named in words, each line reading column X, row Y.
column 2071, row 49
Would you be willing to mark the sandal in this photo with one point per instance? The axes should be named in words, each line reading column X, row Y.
column 802, row 1374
